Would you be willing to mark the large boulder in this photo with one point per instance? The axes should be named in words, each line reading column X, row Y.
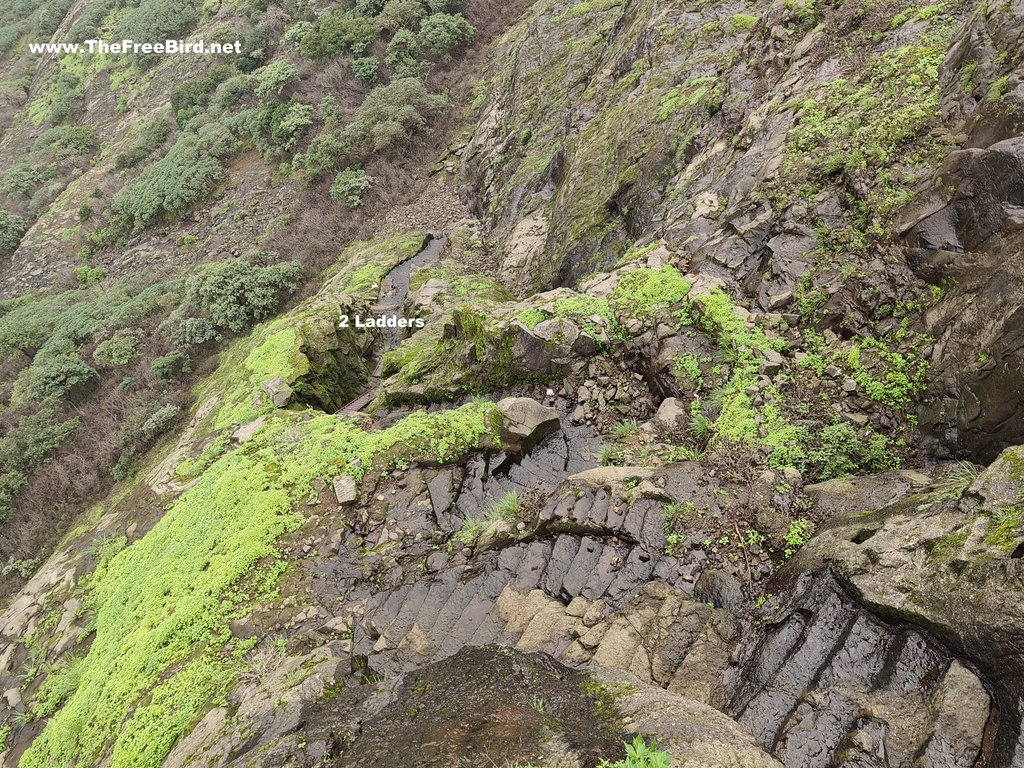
column 495, row 706
column 846, row 495
column 525, row 422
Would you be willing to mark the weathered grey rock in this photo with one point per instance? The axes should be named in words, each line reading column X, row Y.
column 525, row 422
column 846, row 495
column 278, row 391
column 13, row 698
column 608, row 476
column 497, row 534
column 696, row 735
column 245, row 432
column 345, row 489
column 771, row 364
column 558, row 331
column 672, row 414
column 428, row 297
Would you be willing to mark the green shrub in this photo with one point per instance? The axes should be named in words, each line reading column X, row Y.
column 88, row 23
column 79, row 139
column 231, row 91
column 12, row 227
column 229, row 296
column 401, row 55
column 120, row 349
column 26, row 446
column 144, row 424
column 169, row 366
column 273, row 78
column 56, row 369
column 335, row 32
column 330, row 148
column 254, row 51
column 188, row 172
column 350, row 186
column 156, row 20
column 19, row 180
column 65, row 91
column 441, row 33
column 36, row 19
column 368, row 8
column 293, row 120
column 366, row 69
column 282, row 122
column 87, row 276
column 400, row 14
column 151, row 136
column 26, row 325
column 837, row 451
column 446, row 6
column 298, row 32
column 391, row 113
column 191, row 98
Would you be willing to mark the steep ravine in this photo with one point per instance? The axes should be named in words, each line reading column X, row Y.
column 682, row 452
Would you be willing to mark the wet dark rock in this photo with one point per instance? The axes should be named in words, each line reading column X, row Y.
column 599, row 477
column 949, row 564
column 827, row 683
column 968, row 230
column 719, row 589
column 480, row 707
column 981, row 188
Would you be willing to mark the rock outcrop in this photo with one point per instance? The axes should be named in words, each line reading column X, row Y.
column 946, row 560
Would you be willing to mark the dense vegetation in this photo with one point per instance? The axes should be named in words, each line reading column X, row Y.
column 101, row 372
column 99, row 365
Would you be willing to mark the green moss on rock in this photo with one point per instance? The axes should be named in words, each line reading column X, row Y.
column 162, row 605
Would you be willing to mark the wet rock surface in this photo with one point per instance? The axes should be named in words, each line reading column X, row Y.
column 485, row 706
column 829, row 684
column 947, row 561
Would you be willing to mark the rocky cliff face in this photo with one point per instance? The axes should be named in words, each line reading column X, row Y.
column 719, row 305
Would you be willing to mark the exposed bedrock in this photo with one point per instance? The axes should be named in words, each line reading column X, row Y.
column 829, row 684
column 840, row 671
column 946, row 561
column 965, row 232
